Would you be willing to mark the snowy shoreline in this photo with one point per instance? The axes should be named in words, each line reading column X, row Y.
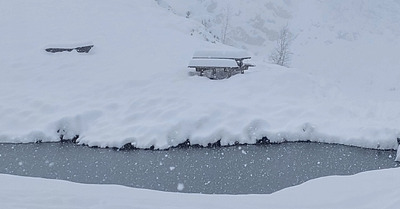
column 372, row 189
column 187, row 145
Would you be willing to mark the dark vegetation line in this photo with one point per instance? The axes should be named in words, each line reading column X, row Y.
column 187, row 144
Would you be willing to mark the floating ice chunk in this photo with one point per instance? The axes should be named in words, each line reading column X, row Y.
column 180, row 187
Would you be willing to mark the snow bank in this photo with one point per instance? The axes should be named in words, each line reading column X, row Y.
column 374, row 189
column 133, row 86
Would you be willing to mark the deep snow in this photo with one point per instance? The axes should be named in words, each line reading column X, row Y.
column 134, row 87
column 374, row 189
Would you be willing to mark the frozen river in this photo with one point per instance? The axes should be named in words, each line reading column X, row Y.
column 229, row 170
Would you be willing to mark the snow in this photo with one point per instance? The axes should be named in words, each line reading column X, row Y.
column 133, row 86
column 180, row 187
column 373, row 189
column 213, row 63
column 238, row 54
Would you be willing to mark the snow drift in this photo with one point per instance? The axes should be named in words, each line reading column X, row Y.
column 374, row 189
column 133, row 87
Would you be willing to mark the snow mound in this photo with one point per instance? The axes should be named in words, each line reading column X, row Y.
column 374, row 189
column 133, row 87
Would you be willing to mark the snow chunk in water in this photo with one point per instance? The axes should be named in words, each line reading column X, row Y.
column 180, row 187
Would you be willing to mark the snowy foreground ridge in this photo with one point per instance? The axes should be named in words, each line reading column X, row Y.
column 133, row 86
column 374, row 189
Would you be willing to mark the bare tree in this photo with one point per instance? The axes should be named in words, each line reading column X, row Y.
column 225, row 24
column 282, row 54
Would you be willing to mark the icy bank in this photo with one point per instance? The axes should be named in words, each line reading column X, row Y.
column 375, row 189
column 133, row 86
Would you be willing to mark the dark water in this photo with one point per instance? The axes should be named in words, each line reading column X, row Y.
column 229, row 170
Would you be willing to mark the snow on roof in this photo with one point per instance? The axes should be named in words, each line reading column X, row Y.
column 213, row 63
column 235, row 54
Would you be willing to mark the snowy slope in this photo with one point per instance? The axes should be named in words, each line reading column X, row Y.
column 252, row 25
column 375, row 189
column 133, row 87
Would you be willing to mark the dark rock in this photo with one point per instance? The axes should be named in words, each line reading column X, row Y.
column 215, row 144
column 263, row 140
column 185, row 144
column 127, row 146
column 62, row 137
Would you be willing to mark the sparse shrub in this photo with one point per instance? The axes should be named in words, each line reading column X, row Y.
column 281, row 54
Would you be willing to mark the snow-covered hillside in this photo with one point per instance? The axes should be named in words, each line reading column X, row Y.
column 134, row 87
column 374, row 189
